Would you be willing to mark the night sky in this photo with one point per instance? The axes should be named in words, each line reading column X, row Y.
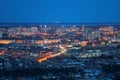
column 49, row 11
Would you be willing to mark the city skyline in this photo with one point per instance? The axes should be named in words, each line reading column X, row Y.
column 59, row 11
column 43, row 52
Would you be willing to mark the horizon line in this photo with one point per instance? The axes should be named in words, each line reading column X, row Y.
column 59, row 22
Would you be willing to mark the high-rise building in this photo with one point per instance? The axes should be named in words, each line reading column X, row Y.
column 4, row 35
column 28, row 30
column 24, row 29
column 34, row 29
column 0, row 35
column 111, row 28
column 83, row 28
column 19, row 29
column 45, row 28
column 94, row 35
column 97, row 34
column 91, row 35
column 13, row 31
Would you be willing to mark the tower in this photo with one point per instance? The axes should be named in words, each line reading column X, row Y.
column 45, row 28
column 83, row 28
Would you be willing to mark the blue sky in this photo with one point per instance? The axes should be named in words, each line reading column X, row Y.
column 75, row 11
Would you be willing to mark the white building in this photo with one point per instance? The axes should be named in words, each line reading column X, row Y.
column 34, row 29
column 111, row 28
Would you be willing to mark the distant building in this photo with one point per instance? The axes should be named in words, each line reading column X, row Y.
column 94, row 35
column 0, row 35
column 111, row 28
column 34, row 29
column 91, row 35
column 3, row 35
column 24, row 29
column 115, row 40
column 83, row 28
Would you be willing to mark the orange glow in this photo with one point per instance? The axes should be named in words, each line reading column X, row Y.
column 19, row 41
column 79, row 33
column 93, row 44
column 39, row 42
column 47, row 41
column 43, row 59
column 84, row 43
column 5, row 41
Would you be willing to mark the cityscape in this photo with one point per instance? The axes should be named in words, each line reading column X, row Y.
column 59, row 39
column 59, row 51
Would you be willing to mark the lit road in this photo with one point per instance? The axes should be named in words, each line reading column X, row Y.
column 63, row 51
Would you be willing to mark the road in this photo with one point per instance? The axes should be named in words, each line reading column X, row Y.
column 63, row 51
